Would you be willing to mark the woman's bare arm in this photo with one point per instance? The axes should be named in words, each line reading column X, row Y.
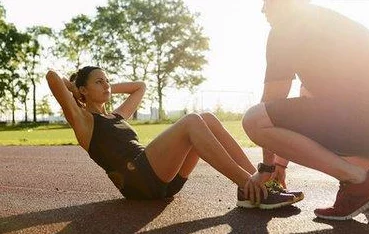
column 136, row 90
column 79, row 119
column 63, row 95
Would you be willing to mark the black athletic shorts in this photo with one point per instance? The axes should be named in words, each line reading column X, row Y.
column 343, row 128
column 141, row 182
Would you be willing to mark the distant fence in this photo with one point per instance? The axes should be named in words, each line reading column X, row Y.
column 228, row 100
column 175, row 103
column 210, row 100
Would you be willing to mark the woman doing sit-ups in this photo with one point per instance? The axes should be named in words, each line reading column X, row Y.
column 161, row 168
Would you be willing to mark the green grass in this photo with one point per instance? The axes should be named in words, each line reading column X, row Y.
column 63, row 135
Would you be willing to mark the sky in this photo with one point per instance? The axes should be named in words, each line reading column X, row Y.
column 237, row 30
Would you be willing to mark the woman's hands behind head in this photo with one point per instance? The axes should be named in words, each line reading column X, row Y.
column 71, row 86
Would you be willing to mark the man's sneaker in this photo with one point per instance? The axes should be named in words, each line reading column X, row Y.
column 276, row 186
column 351, row 200
column 274, row 200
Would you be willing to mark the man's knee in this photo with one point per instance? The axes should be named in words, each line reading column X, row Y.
column 255, row 119
column 252, row 117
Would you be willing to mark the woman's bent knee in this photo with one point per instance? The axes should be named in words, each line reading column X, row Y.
column 193, row 118
column 207, row 115
column 209, row 118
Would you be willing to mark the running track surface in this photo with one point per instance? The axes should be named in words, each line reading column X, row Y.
column 59, row 189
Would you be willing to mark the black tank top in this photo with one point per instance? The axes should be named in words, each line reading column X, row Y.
column 113, row 142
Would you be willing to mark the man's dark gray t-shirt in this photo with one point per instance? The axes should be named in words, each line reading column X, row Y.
column 327, row 51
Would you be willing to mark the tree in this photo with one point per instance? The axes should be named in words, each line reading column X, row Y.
column 33, row 53
column 121, row 44
column 18, row 58
column 178, row 44
column 3, row 56
column 75, row 39
column 12, row 53
column 160, row 41
column 157, row 41
column 43, row 108
column 2, row 12
column 23, row 98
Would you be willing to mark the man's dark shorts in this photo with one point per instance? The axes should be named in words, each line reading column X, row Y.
column 343, row 128
column 141, row 182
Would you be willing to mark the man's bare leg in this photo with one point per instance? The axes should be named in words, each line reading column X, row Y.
column 298, row 148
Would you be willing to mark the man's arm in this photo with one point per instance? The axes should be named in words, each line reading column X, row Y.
column 276, row 90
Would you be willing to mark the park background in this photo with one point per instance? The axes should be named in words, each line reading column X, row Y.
column 60, row 190
column 237, row 33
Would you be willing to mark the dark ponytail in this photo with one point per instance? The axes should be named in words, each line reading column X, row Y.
column 80, row 78
column 73, row 77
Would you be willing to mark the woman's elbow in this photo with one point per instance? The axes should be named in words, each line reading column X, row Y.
column 143, row 85
column 51, row 76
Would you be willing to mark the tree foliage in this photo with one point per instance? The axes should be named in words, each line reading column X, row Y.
column 157, row 41
column 74, row 40
column 43, row 107
column 18, row 59
column 13, row 49
column 33, row 60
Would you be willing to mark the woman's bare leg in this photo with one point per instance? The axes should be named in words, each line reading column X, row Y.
column 228, row 142
column 189, row 164
column 168, row 151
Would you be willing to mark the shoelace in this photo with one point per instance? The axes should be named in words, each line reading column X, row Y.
column 274, row 186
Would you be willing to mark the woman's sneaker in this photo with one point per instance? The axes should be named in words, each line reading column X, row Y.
column 276, row 186
column 351, row 200
column 274, row 200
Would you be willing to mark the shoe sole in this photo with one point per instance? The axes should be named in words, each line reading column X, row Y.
column 350, row 216
column 248, row 205
column 245, row 204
